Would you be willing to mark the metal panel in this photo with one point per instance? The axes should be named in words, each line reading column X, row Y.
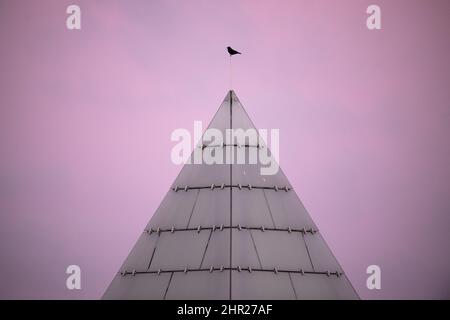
column 321, row 256
column 174, row 210
column 322, row 287
column 200, row 285
column 203, row 174
column 250, row 208
column 207, row 169
column 139, row 286
column 281, row 250
column 240, row 116
column 244, row 252
column 221, row 119
column 180, row 249
column 287, row 210
column 195, row 174
column 218, row 252
column 141, row 254
column 259, row 285
column 250, row 173
column 212, row 208
column 247, row 173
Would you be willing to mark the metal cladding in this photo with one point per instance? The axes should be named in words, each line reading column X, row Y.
column 224, row 231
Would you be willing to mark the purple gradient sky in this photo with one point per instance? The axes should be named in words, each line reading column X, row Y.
column 86, row 117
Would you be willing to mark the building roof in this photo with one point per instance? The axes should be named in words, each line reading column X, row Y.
column 224, row 231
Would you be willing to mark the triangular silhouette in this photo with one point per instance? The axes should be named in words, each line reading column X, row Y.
column 272, row 251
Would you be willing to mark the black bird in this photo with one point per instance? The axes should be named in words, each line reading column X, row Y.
column 232, row 52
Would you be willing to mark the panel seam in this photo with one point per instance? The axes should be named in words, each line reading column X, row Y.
column 153, row 253
column 193, row 208
column 206, row 248
column 292, row 284
column 168, row 284
column 256, row 250
column 231, row 199
column 307, row 250
column 268, row 206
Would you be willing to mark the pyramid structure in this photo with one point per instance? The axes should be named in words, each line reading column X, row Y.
column 224, row 231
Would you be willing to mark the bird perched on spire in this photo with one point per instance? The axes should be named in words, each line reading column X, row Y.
column 232, row 52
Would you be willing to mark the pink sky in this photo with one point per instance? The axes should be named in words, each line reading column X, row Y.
column 86, row 118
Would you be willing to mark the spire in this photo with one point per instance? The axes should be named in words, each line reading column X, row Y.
column 224, row 231
column 231, row 52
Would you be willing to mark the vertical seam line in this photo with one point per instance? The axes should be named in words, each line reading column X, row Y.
column 153, row 253
column 168, row 284
column 206, row 248
column 231, row 198
column 293, row 288
column 307, row 250
column 268, row 206
column 256, row 250
column 193, row 208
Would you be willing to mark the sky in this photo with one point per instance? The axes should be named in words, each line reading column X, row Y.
column 86, row 117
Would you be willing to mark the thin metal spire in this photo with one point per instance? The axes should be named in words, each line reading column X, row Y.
column 231, row 74
column 231, row 52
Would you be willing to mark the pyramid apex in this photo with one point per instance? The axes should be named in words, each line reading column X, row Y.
column 232, row 93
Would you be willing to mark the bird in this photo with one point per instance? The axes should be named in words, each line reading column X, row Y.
column 232, row 52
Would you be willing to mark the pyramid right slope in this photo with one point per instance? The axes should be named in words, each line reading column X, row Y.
column 225, row 231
